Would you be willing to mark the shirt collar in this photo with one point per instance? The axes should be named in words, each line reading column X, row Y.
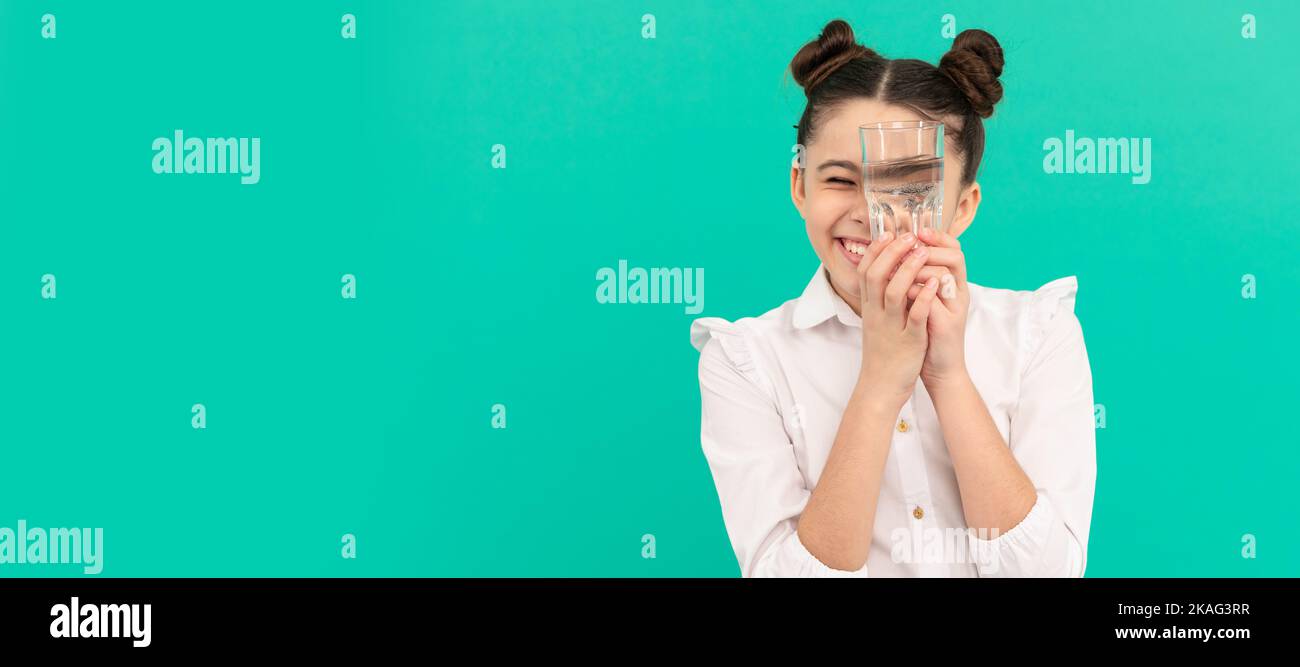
column 819, row 302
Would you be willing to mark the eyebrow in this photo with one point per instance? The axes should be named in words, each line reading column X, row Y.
column 851, row 166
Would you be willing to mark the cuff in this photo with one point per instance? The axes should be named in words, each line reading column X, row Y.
column 792, row 559
column 1020, row 551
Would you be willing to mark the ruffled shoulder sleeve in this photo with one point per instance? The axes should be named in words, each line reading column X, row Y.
column 1047, row 303
column 730, row 336
column 730, row 347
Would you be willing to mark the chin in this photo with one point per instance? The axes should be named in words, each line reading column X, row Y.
column 848, row 285
column 843, row 279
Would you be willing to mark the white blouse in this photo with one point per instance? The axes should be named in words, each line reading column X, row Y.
column 773, row 389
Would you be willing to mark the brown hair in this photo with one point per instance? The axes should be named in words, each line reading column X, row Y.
column 834, row 68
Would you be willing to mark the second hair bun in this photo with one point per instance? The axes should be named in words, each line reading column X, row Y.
column 974, row 63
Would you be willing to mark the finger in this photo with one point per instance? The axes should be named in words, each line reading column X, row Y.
column 947, row 287
column 929, row 270
column 884, row 264
column 873, row 253
column 920, row 310
column 874, row 249
column 916, row 287
column 951, row 258
column 921, row 280
column 896, row 290
column 938, row 238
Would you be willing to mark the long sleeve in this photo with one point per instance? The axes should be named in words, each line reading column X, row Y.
column 1052, row 437
column 760, row 487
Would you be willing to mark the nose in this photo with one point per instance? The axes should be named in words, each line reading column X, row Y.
column 861, row 214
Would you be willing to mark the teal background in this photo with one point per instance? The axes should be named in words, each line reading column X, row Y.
column 475, row 285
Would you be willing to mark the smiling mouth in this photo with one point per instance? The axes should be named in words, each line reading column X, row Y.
column 853, row 249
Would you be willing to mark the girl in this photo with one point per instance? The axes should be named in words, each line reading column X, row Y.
column 897, row 419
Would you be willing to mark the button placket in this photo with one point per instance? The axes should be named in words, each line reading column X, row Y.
column 911, row 461
column 916, row 482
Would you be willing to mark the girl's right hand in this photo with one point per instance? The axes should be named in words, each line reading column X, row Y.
column 894, row 336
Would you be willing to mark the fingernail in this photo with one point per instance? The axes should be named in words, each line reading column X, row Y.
column 949, row 290
column 921, row 252
column 906, row 237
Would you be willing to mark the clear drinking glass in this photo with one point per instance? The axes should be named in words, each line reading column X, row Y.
column 902, row 166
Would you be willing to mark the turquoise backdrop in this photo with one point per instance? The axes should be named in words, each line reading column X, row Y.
column 475, row 285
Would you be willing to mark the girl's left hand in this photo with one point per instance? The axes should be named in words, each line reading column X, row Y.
column 945, row 358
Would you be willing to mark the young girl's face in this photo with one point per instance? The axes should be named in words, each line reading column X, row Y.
column 829, row 195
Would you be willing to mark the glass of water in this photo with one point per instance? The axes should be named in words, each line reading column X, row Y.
column 902, row 167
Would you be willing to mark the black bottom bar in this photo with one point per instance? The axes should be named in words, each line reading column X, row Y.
column 967, row 616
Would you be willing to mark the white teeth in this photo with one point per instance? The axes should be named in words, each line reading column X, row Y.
column 855, row 247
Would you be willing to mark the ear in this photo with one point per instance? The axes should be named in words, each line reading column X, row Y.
column 967, row 205
column 797, row 193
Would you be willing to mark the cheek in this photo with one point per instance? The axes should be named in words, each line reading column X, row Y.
column 823, row 211
column 818, row 236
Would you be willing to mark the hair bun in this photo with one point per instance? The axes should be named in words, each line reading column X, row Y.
column 974, row 63
column 822, row 56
